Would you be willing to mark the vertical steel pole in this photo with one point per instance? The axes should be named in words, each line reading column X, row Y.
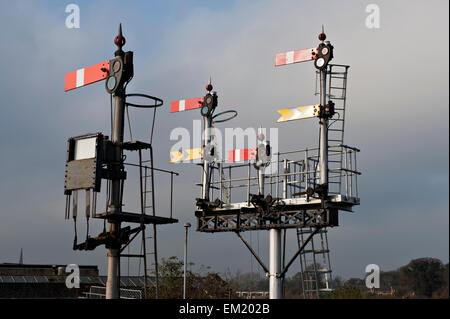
column 186, row 226
column 355, row 168
column 260, row 180
column 346, row 173
column 248, row 183
column 185, row 265
column 275, row 287
column 285, row 179
column 219, row 165
column 306, row 169
column 205, row 187
column 112, row 284
column 323, row 131
column 113, row 280
column 275, row 291
column 351, row 174
column 171, row 194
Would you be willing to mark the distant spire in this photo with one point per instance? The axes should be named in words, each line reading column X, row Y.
column 21, row 257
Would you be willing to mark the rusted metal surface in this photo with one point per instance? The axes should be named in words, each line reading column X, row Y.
column 81, row 174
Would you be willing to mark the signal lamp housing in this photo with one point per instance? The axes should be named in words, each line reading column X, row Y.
column 209, row 104
column 115, row 75
column 324, row 55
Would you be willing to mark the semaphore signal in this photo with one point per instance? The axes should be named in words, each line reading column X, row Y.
column 92, row 158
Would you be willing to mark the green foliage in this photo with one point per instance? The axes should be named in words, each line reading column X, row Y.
column 441, row 293
column 446, row 274
column 293, row 286
column 249, row 281
column 356, row 283
column 423, row 276
column 346, row 292
column 170, row 273
column 389, row 279
column 198, row 285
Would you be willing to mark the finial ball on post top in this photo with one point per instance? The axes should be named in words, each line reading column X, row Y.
column 322, row 36
column 119, row 41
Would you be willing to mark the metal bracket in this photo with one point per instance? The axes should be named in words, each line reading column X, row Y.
column 254, row 254
column 108, row 239
column 327, row 111
column 264, row 206
column 113, row 175
column 205, row 205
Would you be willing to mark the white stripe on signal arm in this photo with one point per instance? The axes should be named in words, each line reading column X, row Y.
column 182, row 105
column 80, row 77
column 242, row 155
column 237, row 155
column 289, row 57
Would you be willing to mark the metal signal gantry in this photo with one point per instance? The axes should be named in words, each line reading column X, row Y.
column 94, row 157
column 296, row 196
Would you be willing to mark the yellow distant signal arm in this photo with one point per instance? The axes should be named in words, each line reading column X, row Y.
column 186, row 155
column 299, row 113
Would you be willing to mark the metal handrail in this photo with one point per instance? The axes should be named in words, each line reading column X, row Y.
column 306, row 173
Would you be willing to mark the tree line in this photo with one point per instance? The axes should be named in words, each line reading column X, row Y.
column 420, row 278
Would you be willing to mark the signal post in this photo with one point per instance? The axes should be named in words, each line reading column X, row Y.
column 92, row 157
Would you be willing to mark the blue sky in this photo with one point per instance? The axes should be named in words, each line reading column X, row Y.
column 397, row 114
